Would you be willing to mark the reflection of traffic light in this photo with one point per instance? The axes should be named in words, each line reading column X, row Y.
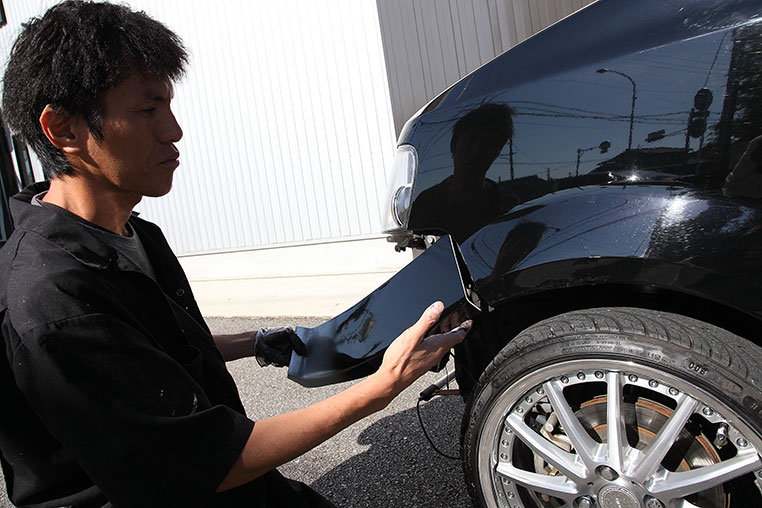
column 699, row 113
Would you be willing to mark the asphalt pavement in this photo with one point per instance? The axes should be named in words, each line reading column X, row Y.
column 381, row 461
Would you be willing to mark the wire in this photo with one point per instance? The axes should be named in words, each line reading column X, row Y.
column 423, row 428
column 711, row 68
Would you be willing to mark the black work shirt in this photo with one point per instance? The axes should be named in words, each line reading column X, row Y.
column 112, row 390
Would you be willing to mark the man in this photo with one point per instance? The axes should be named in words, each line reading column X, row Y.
column 467, row 200
column 114, row 391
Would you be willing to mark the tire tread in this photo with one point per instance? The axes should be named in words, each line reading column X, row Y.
column 711, row 345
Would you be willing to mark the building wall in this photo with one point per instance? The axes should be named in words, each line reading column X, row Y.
column 431, row 44
column 287, row 121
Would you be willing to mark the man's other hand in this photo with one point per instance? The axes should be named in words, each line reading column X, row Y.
column 273, row 346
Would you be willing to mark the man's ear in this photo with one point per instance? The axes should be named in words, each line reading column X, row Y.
column 66, row 132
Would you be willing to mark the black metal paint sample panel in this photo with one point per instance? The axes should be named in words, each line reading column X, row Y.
column 352, row 344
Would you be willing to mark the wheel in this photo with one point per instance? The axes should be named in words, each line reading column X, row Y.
column 683, row 399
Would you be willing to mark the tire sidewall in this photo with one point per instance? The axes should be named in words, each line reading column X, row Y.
column 524, row 355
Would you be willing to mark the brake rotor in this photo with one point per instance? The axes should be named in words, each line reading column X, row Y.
column 643, row 419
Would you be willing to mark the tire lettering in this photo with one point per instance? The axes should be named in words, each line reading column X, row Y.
column 713, row 376
column 697, row 367
column 754, row 405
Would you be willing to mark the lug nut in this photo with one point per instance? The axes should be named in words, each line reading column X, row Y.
column 585, row 502
column 654, row 503
column 607, row 473
column 721, row 439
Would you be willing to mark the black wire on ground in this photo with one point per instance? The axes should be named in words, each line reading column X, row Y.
column 423, row 428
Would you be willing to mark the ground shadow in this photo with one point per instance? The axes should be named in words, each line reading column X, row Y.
column 401, row 469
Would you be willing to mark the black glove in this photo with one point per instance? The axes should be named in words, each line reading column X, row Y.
column 273, row 346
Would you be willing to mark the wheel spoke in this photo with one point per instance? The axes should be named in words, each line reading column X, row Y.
column 585, row 446
column 563, row 461
column 557, row 486
column 675, row 485
column 650, row 458
column 616, row 437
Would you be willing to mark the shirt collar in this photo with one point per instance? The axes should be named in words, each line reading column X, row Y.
column 60, row 227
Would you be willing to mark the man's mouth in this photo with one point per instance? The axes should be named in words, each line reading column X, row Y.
column 172, row 161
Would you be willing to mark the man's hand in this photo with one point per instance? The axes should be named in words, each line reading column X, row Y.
column 278, row 439
column 273, row 346
column 411, row 355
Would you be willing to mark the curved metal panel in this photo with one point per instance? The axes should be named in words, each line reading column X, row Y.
column 352, row 344
column 662, row 236
column 672, row 97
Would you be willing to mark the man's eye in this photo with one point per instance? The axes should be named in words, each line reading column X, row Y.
column 148, row 111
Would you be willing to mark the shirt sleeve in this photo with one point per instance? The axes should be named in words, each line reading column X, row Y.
column 132, row 416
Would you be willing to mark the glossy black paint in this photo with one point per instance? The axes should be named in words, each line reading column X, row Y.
column 686, row 199
column 352, row 344
column 667, row 237
column 618, row 151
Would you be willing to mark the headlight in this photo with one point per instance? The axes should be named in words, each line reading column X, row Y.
column 400, row 190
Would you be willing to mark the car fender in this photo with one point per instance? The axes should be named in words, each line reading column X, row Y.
column 676, row 238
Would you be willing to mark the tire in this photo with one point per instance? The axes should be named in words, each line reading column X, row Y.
column 536, row 433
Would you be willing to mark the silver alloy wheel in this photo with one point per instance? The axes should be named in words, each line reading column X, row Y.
column 545, row 440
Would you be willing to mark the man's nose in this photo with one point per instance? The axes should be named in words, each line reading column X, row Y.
column 171, row 131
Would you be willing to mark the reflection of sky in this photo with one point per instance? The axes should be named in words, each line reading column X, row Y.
column 581, row 109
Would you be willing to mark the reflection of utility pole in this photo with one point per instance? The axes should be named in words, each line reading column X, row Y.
column 697, row 121
column 603, row 147
column 632, row 109
column 737, row 69
column 510, row 154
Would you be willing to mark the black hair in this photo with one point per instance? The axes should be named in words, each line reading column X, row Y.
column 489, row 116
column 73, row 54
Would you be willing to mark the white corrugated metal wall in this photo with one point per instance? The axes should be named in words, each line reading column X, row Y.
column 287, row 106
column 287, row 121
column 430, row 44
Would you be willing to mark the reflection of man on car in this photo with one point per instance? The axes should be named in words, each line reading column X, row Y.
column 467, row 200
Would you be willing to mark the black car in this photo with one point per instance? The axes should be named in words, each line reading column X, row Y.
column 602, row 183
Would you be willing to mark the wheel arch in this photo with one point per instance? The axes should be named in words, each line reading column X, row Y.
column 509, row 316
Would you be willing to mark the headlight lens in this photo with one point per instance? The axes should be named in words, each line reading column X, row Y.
column 400, row 190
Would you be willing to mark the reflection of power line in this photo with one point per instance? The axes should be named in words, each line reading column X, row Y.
column 556, row 106
column 714, row 60
column 608, row 118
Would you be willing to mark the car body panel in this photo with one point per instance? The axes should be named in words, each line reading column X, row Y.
column 668, row 237
column 352, row 344
column 603, row 161
column 620, row 147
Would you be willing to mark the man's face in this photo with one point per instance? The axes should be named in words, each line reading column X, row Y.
column 137, row 154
